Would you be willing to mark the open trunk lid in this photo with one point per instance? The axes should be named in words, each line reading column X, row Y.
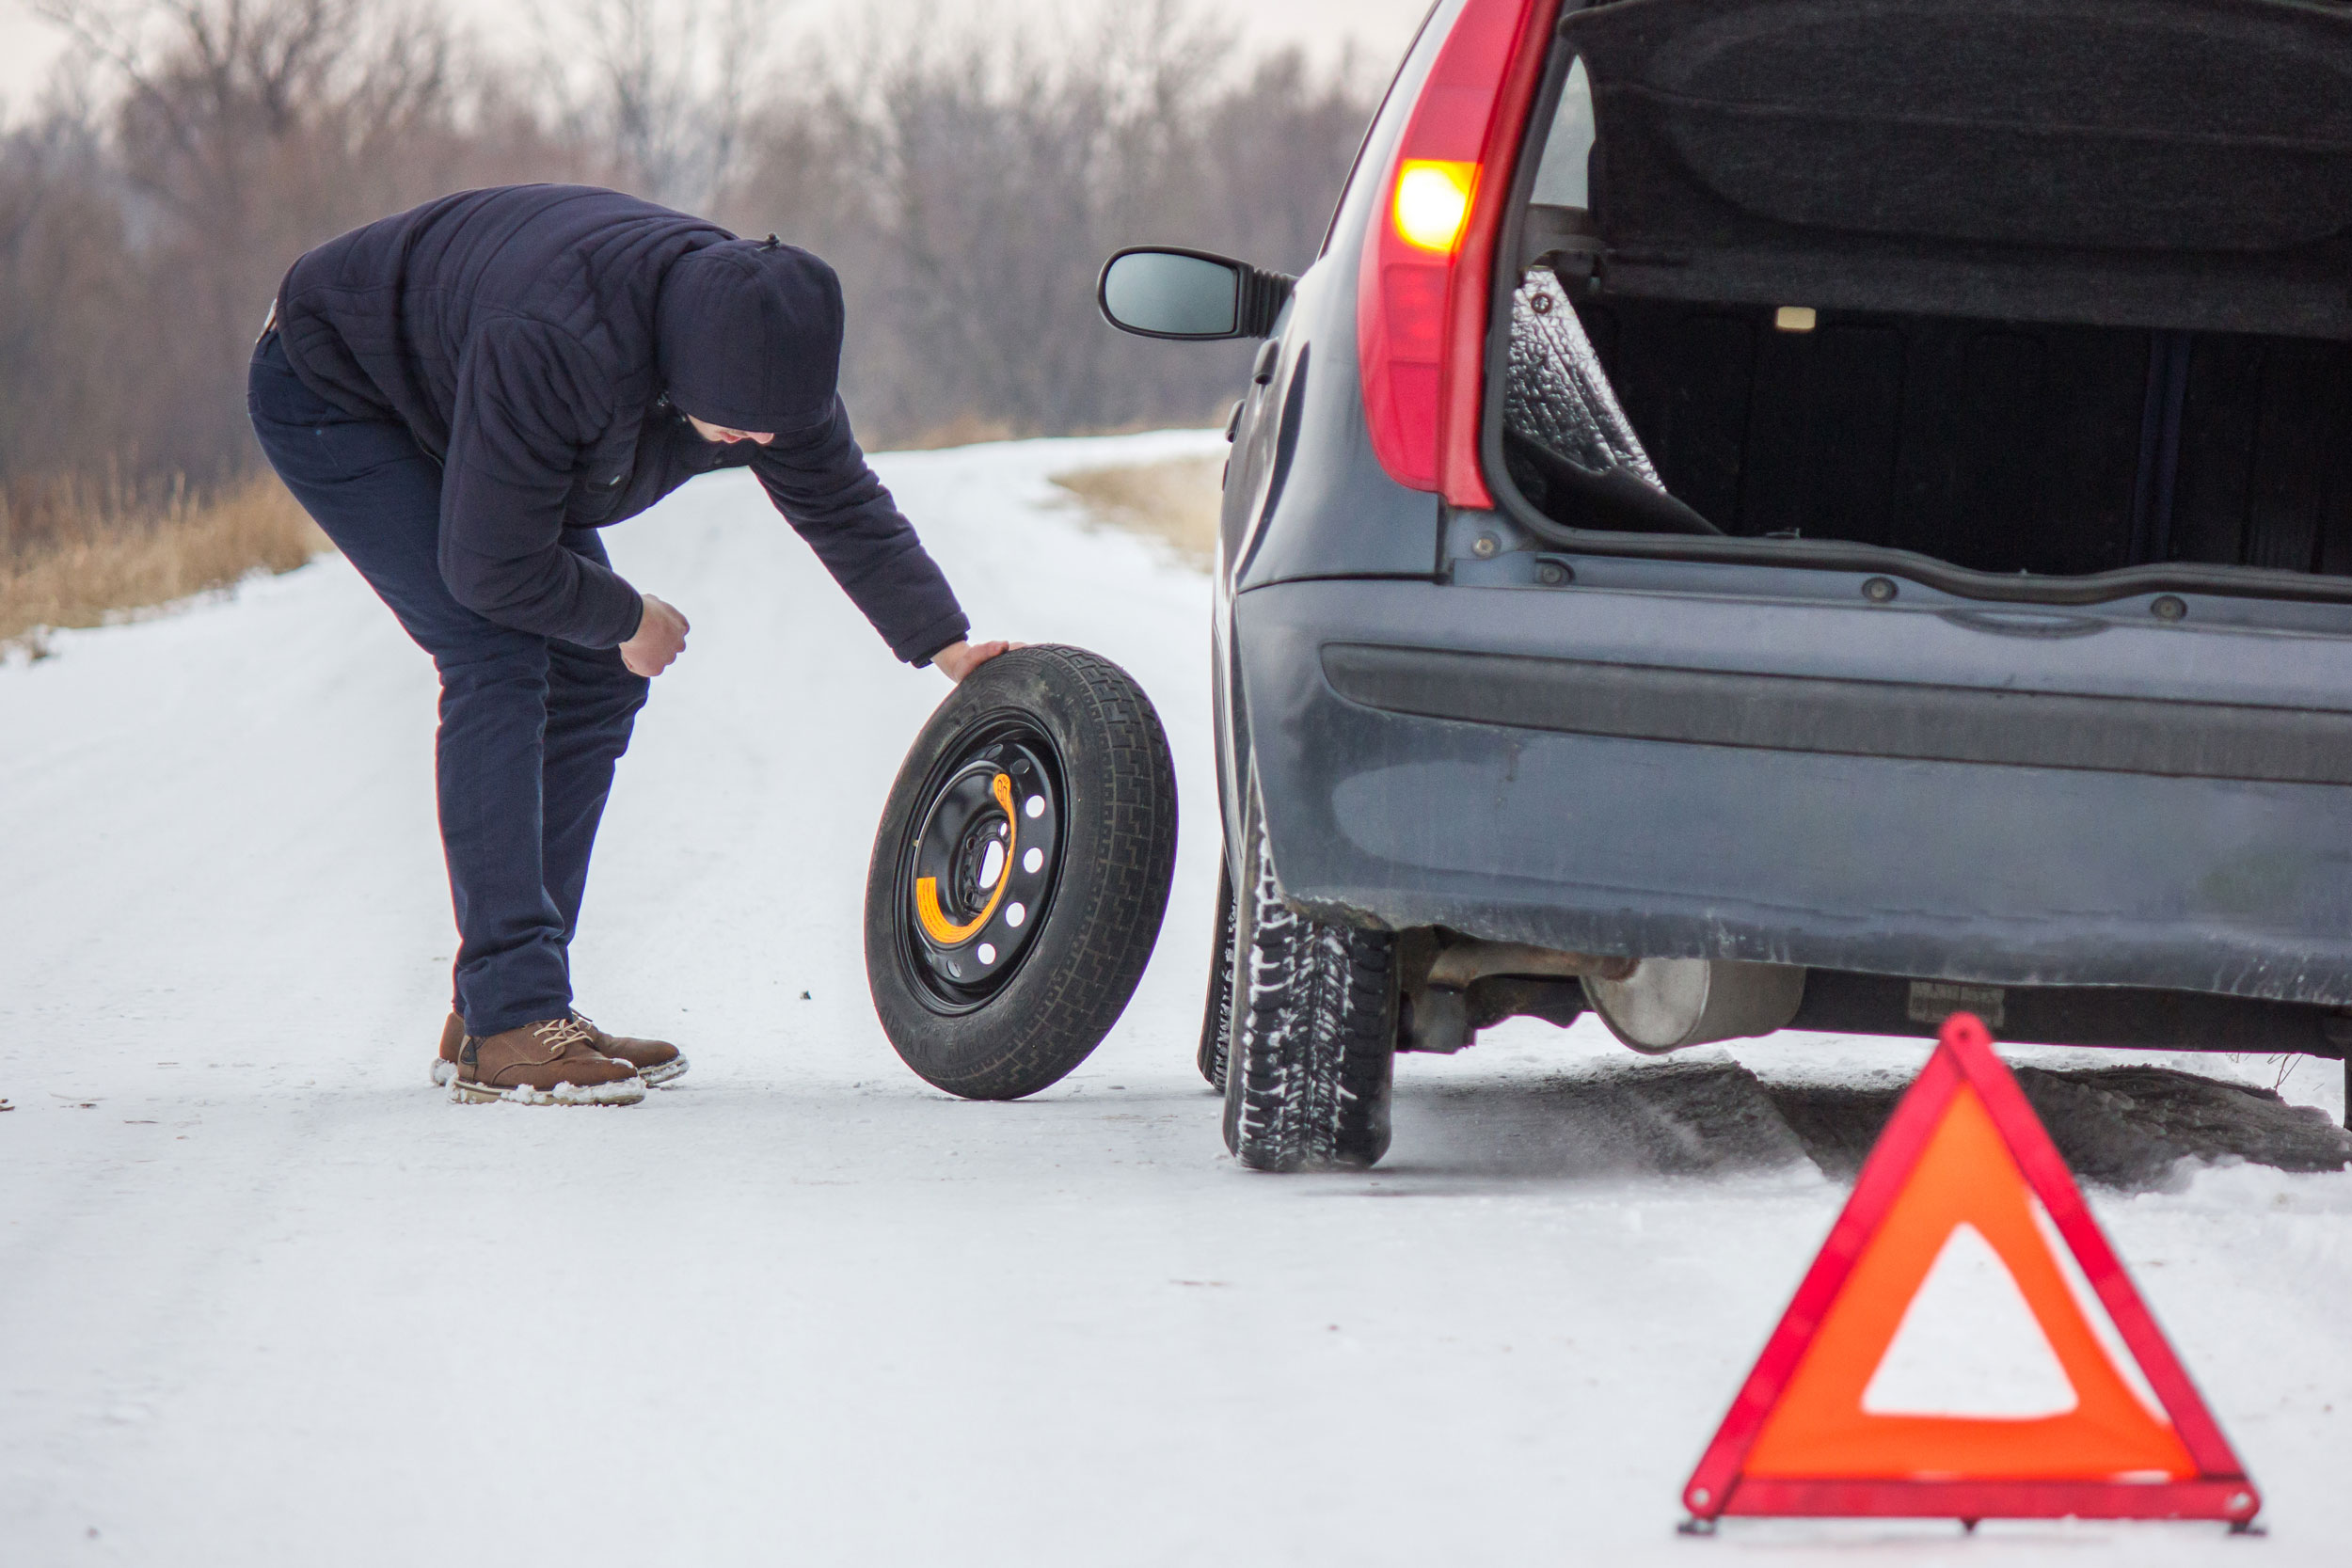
column 2173, row 163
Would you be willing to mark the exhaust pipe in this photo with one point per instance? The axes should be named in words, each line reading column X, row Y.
column 1666, row 1003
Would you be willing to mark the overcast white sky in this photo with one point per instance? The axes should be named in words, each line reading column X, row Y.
column 1383, row 27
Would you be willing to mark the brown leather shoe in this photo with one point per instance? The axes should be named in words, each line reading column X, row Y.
column 549, row 1063
column 655, row 1061
column 453, row 1039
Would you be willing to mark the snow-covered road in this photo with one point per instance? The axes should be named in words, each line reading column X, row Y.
column 267, row 1298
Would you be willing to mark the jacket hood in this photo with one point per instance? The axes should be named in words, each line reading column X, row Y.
column 748, row 334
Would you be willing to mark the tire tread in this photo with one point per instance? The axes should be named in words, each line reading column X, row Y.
column 1312, row 1048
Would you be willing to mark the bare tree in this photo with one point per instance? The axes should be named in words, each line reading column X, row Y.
column 664, row 86
column 973, row 186
column 243, row 129
column 993, row 178
column 967, row 187
column 62, row 276
column 235, row 135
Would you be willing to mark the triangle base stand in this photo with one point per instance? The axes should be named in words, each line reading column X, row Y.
column 2226, row 1501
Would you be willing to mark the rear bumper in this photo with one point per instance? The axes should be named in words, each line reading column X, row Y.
column 1902, row 795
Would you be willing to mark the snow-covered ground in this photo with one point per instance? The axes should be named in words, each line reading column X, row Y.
column 266, row 1297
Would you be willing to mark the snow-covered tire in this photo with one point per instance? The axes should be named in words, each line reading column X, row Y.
column 1216, row 1013
column 996, row 976
column 1312, row 1049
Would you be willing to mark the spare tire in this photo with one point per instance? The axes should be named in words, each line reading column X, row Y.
column 1021, row 873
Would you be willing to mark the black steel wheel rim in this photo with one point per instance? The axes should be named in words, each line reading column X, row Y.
column 979, row 864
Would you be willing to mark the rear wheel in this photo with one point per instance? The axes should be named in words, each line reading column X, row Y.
column 1021, row 872
column 1313, row 1043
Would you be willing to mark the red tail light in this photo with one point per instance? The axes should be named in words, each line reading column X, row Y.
column 1423, row 293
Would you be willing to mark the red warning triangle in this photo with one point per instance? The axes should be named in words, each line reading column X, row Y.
column 1965, row 1152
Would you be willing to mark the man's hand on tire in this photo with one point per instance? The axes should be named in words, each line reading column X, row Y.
column 661, row 638
column 959, row 659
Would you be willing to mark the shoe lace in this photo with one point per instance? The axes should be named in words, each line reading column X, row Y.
column 559, row 1034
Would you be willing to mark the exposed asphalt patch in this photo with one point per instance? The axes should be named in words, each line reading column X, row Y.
column 2130, row 1129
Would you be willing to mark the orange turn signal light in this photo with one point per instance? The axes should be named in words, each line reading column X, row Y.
column 1433, row 201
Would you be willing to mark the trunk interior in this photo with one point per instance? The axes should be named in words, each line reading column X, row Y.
column 1997, row 447
column 2054, row 287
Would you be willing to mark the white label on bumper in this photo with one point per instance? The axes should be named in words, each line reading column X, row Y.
column 1933, row 1000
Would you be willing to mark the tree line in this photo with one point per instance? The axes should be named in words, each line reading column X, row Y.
column 967, row 185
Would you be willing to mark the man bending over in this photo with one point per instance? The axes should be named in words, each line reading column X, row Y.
column 462, row 395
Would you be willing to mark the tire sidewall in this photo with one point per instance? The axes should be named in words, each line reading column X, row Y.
column 1018, row 1041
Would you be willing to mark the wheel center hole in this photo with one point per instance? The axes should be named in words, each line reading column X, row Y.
column 979, row 862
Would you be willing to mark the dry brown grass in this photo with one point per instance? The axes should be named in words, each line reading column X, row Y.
column 1175, row 502
column 967, row 429
column 86, row 555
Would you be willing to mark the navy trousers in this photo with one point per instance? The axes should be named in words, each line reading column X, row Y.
column 531, row 727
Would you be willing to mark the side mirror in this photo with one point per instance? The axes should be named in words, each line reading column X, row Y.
column 1189, row 296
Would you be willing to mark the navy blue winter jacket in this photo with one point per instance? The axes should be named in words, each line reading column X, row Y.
column 512, row 331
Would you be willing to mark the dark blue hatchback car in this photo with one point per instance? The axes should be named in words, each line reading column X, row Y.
column 1791, row 513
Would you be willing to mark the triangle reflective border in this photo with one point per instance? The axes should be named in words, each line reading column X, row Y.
column 1965, row 1148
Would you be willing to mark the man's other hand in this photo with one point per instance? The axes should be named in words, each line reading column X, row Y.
column 959, row 659
column 661, row 638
